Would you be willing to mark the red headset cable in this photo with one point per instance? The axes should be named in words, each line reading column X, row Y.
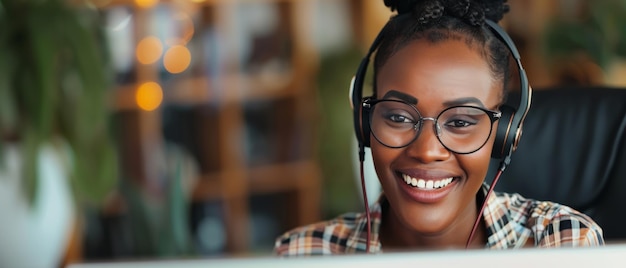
column 505, row 162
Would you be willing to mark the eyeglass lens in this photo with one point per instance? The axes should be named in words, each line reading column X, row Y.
column 461, row 129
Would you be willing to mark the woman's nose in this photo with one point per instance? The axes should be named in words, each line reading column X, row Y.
column 427, row 147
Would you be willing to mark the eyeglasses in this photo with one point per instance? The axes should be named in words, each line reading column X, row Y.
column 460, row 129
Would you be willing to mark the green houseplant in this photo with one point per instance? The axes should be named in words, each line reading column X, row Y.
column 54, row 82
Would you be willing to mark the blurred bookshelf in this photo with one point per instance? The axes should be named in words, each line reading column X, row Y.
column 231, row 83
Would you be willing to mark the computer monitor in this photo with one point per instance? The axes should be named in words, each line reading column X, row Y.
column 606, row 256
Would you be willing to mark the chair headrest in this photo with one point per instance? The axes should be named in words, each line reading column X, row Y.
column 573, row 140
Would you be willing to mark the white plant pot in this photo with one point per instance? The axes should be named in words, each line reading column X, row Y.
column 35, row 235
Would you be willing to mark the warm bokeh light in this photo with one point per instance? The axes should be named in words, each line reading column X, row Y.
column 149, row 50
column 186, row 28
column 146, row 3
column 177, row 59
column 149, row 96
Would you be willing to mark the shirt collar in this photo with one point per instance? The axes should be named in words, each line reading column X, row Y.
column 357, row 241
column 502, row 230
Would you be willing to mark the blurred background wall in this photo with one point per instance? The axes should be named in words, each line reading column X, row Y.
column 231, row 120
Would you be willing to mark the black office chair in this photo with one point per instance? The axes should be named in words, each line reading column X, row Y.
column 573, row 151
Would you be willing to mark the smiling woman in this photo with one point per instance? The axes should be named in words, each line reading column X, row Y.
column 434, row 123
column 446, row 73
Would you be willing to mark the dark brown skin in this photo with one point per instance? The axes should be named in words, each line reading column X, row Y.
column 435, row 75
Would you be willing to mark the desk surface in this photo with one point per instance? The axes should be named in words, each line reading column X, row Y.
column 608, row 256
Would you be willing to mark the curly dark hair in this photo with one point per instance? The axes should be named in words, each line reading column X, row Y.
column 440, row 20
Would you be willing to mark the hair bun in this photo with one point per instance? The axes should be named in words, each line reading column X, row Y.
column 402, row 6
column 473, row 11
column 495, row 9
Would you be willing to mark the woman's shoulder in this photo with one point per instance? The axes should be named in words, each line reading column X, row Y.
column 321, row 238
column 553, row 224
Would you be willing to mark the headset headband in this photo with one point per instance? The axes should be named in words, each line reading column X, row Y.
column 525, row 90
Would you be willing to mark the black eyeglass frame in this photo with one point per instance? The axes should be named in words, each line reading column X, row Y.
column 370, row 102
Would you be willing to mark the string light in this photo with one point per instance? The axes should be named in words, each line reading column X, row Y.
column 177, row 59
column 149, row 96
column 149, row 50
column 146, row 3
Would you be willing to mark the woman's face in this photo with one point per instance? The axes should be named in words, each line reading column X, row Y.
column 434, row 77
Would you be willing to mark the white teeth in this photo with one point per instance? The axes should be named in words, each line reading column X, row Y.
column 428, row 185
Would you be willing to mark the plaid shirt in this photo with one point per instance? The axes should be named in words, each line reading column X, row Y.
column 511, row 220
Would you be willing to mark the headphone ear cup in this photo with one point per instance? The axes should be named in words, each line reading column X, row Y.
column 505, row 134
column 365, row 126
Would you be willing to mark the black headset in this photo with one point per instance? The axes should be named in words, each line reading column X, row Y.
column 509, row 129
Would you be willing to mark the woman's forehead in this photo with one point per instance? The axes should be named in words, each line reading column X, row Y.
column 442, row 71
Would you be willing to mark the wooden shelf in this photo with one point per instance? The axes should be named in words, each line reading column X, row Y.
column 281, row 177
column 104, row 4
column 199, row 90
column 233, row 180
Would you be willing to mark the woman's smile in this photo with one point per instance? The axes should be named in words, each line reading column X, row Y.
column 427, row 189
column 425, row 184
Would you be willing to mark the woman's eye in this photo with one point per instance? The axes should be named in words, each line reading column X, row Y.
column 398, row 118
column 459, row 123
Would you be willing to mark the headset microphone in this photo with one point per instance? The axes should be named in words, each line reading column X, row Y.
column 508, row 132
